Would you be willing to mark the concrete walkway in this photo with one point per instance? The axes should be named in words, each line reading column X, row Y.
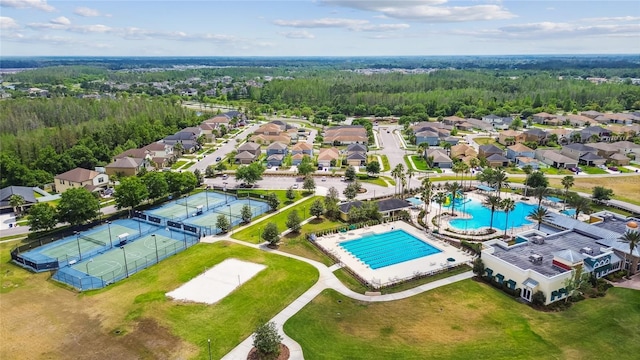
column 326, row 280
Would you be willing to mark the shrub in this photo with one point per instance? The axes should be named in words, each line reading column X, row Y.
column 538, row 298
column 267, row 341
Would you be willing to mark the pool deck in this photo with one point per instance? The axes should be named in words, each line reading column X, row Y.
column 396, row 272
column 477, row 234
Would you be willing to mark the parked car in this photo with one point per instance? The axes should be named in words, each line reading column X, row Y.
column 295, row 186
column 613, row 168
column 218, row 158
column 225, row 176
column 575, row 170
column 324, row 178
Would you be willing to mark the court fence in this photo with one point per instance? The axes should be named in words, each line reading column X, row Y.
column 83, row 281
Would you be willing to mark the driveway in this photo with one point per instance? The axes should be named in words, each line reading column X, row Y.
column 225, row 149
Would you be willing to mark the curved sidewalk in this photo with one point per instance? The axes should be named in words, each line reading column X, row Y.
column 326, row 280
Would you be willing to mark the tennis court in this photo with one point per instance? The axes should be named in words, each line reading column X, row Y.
column 117, row 263
column 74, row 248
column 233, row 210
column 185, row 207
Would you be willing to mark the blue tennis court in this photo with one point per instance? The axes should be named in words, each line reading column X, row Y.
column 380, row 250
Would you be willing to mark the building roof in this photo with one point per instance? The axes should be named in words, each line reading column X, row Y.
column 245, row 155
column 301, row 146
column 490, row 149
column 24, row 191
column 77, row 175
column 277, row 146
column 126, row 162
column 618, row 156
column 591, row 156
column 555, row 156
column 438, row 156
column 356, row 156
column 134, row 153
column 298, row 156
column 578, row 147
column 520, row 148
column 328, row 154
column 275, row 157
column 536, row 132
column 248, row 146
column 356, row 147
column 512, row 133
column 497, row 157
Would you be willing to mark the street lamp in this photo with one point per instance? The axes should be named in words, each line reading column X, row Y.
column 78, row 241
column 206, row 196
column 156, row 242
column 90, row 260
column 230, row 220
column 304, row 213
column 139, row 226
column 126, row 267
column 109, row 226
column 186, row 205
column 209, row 341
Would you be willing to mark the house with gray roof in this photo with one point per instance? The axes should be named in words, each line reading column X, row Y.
column 440, row 158
column 6, row 193
column 387, row 207
column 556, row 159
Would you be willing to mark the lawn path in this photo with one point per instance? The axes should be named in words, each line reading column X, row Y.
column 326, row 280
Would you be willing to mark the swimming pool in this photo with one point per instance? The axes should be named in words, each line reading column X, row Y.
column 554, row 199
column 481, row 216
column 569, row 212
column 380, row 250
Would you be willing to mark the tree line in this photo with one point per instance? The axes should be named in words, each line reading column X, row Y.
column 44, row 137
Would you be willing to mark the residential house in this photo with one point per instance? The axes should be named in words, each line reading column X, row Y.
column 603, row 149
column 498, row 122
column 387, row 207
column 187, row 138
column 585, row 155
column 485, row 151
column 248, row 152
column 461, row 151
column 622, row 119
column 510, row 137
column 527, row 161
column 430, row 137
column 519, row 150
column 356, row 154
column 440, row 159
column 628, row 147
column 563, row 135
column 543, row 118
column 536, row 135
column 302, row 148
column 555, row 159
column 276, row 153
column 327, row 155
column 346, row 134
column 592, row 114
column 268, row 139
column 497, row 160
column 24, row 191
column 623, row 132
column 79, row 177
column 593, row 134
column 619, row 159
column 125, row 166
column 296, row 159
column 578, row 120
column 271, row 132
column 476, row 123
column 161, row 154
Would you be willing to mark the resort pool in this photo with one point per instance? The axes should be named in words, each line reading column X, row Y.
column 481, row 216
column 380, row 250
column 569, row 212
column 553, row 199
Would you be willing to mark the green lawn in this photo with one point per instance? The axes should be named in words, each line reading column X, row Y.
column 252, row 233
column 371, row 179
column 298, row 244
column 385, row 161
column 178, row 164
column 488, row 141
column 281, row 194
column 466, row 320
column 593, row 170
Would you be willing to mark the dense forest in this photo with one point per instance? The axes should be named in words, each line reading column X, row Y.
column 44, row 137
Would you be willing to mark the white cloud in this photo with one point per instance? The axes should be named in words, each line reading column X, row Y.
column 61, row 21
column 28, row 4
column 7, row 23
column 86, row 12
column 351, row 24
column 553, row 30
column 302, row 34
column 427, row 10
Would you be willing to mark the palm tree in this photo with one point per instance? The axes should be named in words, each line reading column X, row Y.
column 631, row 237
column 540, row 192
column 427, row 192
column 580, row 204
column 410, row 173
column 423, row 147
column 453, row 189
column 500, row 180
column 440, row 198
column 465, row 169
column 16, row 202
column 474, row 162
column 397, row 173
column 403, row 182
column 528, row 169
column 508, row 205
column 567, row 182
column 539, row 214
column 492, row 202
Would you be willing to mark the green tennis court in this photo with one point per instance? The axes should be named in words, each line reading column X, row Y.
column 139, row 254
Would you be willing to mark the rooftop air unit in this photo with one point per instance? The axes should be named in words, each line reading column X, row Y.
column 537, row 240
column 587, row 250
column 536, row 259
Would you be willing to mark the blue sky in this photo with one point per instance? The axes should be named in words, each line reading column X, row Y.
column 318, row 27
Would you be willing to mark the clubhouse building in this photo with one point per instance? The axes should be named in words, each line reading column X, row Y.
column 546, row 259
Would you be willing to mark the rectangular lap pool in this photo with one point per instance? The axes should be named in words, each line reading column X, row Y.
column 380, row 250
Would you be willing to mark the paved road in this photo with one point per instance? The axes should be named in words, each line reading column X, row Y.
column 391, row 145
column 225, row 149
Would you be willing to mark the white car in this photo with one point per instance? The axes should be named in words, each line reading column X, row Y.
column 295, row 186
column 324, row 178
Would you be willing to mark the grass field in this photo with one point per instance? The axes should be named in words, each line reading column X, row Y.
column 376, row 180
column 298, row 244
column 593, row 170
column 625, row 188
column 252, row 233
column 281, row 194
column 134, row 319
column 466, row 320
